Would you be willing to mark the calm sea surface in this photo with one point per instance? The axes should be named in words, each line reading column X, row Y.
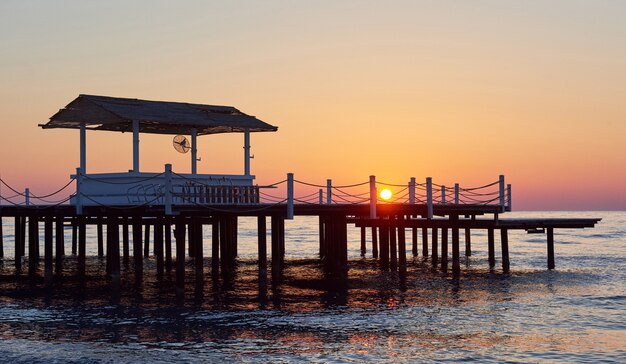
column 576, row 313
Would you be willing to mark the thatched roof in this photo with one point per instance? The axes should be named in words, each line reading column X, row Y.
column 158, row 117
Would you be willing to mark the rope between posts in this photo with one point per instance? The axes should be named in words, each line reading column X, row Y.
column 53, row 193
column 324, row 186
column 481, row 187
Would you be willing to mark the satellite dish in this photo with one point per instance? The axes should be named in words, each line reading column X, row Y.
column 181, row 144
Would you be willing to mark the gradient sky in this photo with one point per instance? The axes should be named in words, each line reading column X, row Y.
column 458, row 90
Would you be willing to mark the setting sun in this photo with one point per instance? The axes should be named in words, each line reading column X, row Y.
column 385, row 194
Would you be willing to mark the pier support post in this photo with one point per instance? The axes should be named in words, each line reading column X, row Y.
column 146, row 240
column 402, row 248
column 456, row 264
column 48, row 250
column 468, row 243
column 262, row 250
column 179, row 235
column 491, row 247
column 424, row 242
column 363, row 245
column 125, row 242
column 276, row 268
column 322, row 234
column 215, row 248
column 1, row 240
column 17, row 251
column 504, row 240
column 60, row 244
column 414, row 240
column 550, row 234
column 158, row 246
column 23, row 230
column 393, row 247
column 114, row 230
column 435, row 253
column 444, row 249
column 100, row 238
column 374, row 243
column 82, row 245
column 137, row 252
column 384, row 245
column 199, row 256
column 168, row 244
column 33, row 243
column 74, row 236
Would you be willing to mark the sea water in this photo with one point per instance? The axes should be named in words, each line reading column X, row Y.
column 575, row 313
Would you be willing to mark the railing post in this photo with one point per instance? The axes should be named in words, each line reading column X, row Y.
column 168, row 189
column 412, row 190
column 443, row 195
column 373, row 197
column 329, row 191
column 508, row 197
column 290, row 196
column 79, row 197
column 429, row 196
column 456, row 193
column 27, row 196
column 321, row 196
column 502, row 198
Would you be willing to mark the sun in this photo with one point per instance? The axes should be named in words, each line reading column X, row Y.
column 385, row 194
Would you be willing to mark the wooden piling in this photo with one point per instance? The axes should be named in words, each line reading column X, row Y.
column 146, row 240
column 179, row 235
column 402, row 249
column 60, row 244
column 158, row 246
column 100, row 238
column 82, row 246
column 550, row 236
column 113, row 229
column 276, row 268
column 168, row 244
column 198, row 251
column 393, row 247
column 125, row 242
column 17, row 251
column 435, row 252
column 262, row 248
column 225, row 246
column 322, row 236
column 74, row 236
column 384, row 245
column 444, row 249
column 137, row 243
column 33, row 242
column 504, row 240
column 23, row 230
column 190, row 238
column 374, row 243
column 1, row 240
column 456, row 264
column 424, row 242
column 215, row 248
column 414, row 237
column 363, row 240
column 468, row 243
column 491, row 247
column 48, row 250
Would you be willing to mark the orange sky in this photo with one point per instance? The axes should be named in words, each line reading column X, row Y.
column 460, row 91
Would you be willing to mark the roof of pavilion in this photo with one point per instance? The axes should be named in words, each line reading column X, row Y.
column 157, row 117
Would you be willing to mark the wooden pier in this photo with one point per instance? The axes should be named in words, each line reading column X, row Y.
column 166, row 211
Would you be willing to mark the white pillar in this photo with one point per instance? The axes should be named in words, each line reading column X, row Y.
column 79, row 202
column 508, row 197
column 290, row 196
column 412, row 190
column 194, row 151
column 329, row 191
column 168, row 189
column 135, row 146
column 83, row 147
column 502, row 200
column 246, row 151
column 373, row 197
column 443, row 195
column 429, row 196
column 456, row 193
